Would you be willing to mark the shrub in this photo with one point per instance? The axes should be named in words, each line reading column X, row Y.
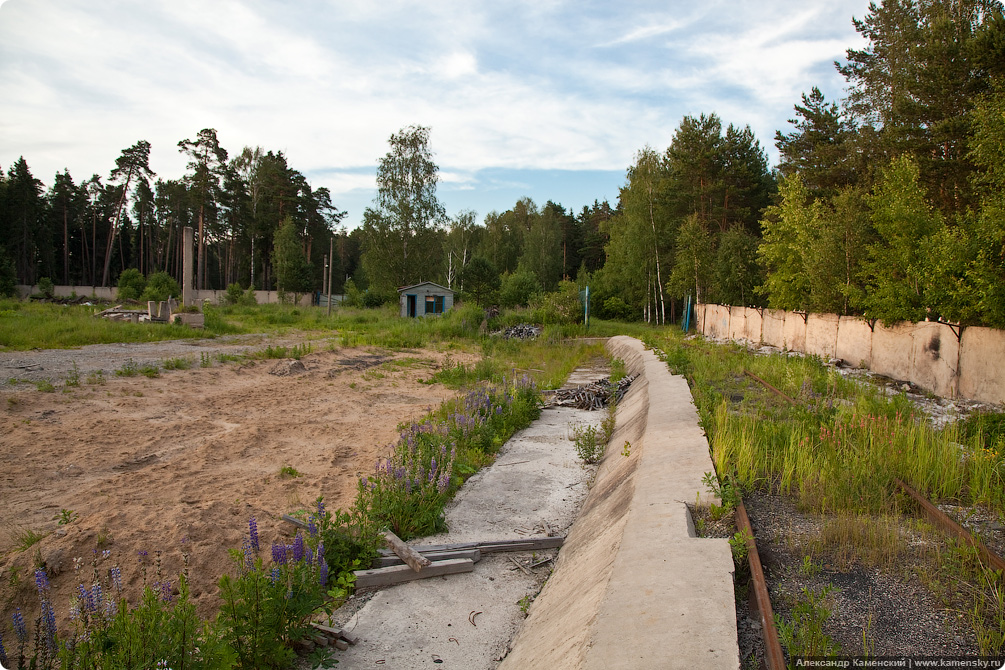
column 46, row 287
column 131, row 284
column 518, row 288
column 8, row 276
column 618, row 309
column 560, row 307
column 161, row 286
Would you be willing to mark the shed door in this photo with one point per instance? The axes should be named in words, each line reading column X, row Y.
column 411, row 305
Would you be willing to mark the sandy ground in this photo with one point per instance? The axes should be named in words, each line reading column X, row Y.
column 177, row 464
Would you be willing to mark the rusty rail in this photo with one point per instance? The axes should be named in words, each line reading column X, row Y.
column 774, row 657
column 942, row 520
column 768, row 386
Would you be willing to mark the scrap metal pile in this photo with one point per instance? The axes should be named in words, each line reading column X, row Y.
column 593, row 396
column 524, row 331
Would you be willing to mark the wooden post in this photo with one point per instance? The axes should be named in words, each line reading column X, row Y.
column 331, row 262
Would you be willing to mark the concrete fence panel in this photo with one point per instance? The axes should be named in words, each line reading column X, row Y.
column 717, row 319
column 753, row 325
column 892, row 350
column 821, row 335
column 854, row 341
column 773, row 328
column 737, row 323
column 794, row 331
column 982, row 364
column 935, row 358
column 699, row 318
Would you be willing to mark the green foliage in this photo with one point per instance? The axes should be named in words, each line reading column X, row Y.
column 160, row 287
column 518, row 288
column 131, row 284
column 235, row 295
column 894, row 270
column 480, row 280
column 46, row 287
column 65, row 516
column 589, row 444
column 8, row 275
column 559, row 307
column 292, row 268
column 616, row 308
column 803, row 633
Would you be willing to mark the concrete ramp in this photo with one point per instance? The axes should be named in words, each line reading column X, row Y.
column 633, row 587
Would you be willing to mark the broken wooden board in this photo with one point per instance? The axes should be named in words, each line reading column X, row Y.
column 396, row 574
column 414, row 559
column 474, row 555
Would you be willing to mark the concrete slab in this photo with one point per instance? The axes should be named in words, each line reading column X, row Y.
column 633, row 587
column 773, row 328
column 892, row 350
column 981, row 365
column 752, row 327
column 935, row 358
column 794, row 331
column 822, row 335
column 854, row 343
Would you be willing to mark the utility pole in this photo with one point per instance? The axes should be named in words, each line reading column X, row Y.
column 331, row 252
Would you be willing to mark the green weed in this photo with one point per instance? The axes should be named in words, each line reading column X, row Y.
column 45, row 386
column 177, row 363
column 289, row 471
column 73, row 377
column 128, row 369
column 65, row 516
column 588, row 441
column 803, row 633
column 25, row 538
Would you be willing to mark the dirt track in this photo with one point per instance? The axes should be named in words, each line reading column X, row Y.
column 178, row 463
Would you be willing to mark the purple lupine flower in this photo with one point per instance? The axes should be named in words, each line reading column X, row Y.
column 3, row 654
column 249, row 556
column 84, row 598
column 444, row 482
column 432, row 466
column 41, row 582
column 279, row 554
column 323, row 572
column 312, row 526
column 19, row 628
column 96, row 594
column 116, row 573
column 321, row 508
column 74, row 609
column 166, row 591
column 298, row 548
column 111, row 609
column 49, row 619
column 274, row 576
column 253, row 533
column 408, row 485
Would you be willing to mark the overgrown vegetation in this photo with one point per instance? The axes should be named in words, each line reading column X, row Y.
column 839, row 451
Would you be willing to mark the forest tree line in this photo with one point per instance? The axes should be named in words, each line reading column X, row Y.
column 888, row 203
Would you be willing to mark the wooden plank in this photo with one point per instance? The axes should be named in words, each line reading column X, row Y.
column 414, row 559
column 397, row 574
column 472, row 554
column 521, row 544
column 295, row 521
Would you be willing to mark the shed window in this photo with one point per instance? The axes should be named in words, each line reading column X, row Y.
column 434, row 304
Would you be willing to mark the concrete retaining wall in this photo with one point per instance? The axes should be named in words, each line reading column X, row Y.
column 109, row 293
column 940, row 358
column 633, row 587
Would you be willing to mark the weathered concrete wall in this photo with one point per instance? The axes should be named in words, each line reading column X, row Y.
column 716, row 321
column 935, row 356
column 632, row 587
column 753, row 326
column 891, row 350
column 854, row 343
column 773, row 328
column 109, row 293
column 794, row 331
column 982, row 364
column 699, row 318
column 821, row 335
column 737, row 323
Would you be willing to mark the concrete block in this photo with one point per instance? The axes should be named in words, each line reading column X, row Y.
column 717, row 318
column 982, row 373
column 699, row 318
column 752, row 328
column 821, row 335
column 854, row 341
column 935, row 358
column 737, row 323
column 892, row 350
column 794, row 331
column 773, row 328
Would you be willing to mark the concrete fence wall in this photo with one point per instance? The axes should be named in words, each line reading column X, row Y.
column 948, row 361
column 109, row 293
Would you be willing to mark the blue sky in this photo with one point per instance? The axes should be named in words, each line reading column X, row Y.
column 545, row 98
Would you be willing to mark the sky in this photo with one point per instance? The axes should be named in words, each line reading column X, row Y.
column 547, row 99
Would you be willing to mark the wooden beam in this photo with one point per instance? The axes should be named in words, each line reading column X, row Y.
column 471, row 554
column 521, row 544
column 397, row 574
column 414, row 559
